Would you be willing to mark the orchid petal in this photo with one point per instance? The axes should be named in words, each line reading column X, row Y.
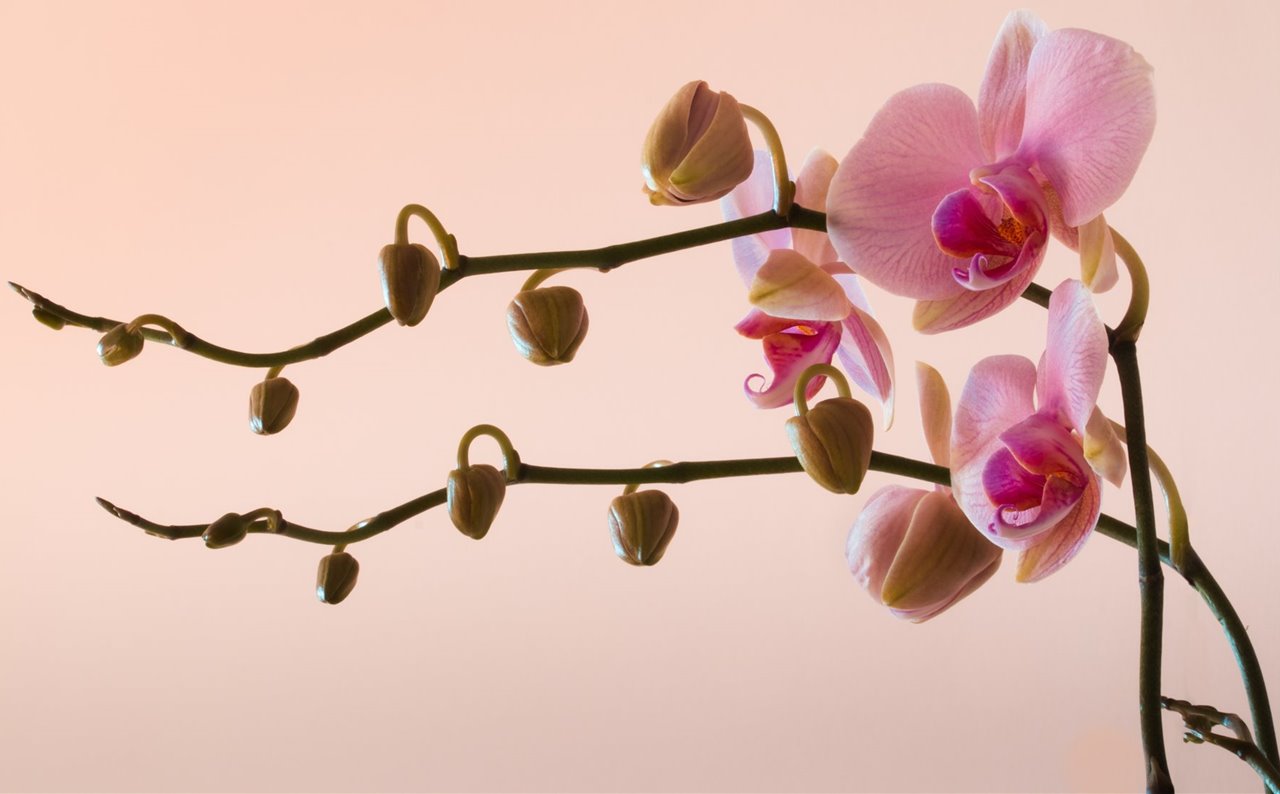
column 1057, row 546
column 1097, row 255
column 1057, row 500
column 919, row 616
column 878, row 532
column 918, row 148
column 940, row 553
column 1075, row 358
column 789, row 355
column 982, row 275
column 1043, row 446
column 843, row 274
column 1103, row 449
column 758, row 325
column 867, row 358
column 1002, row 97
column 962, row 227
column 811, row 191
column 935, row 412
column 997, row 395
column 1090, row 113
column 1008, row 483
column 967, row 308
column 753, row 197
column 789, row 285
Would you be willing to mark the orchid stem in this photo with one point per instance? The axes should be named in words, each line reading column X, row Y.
column 1140, row 296
column 447, row 242
column 1150, row 576
column 1179, row 530
column 784, row 190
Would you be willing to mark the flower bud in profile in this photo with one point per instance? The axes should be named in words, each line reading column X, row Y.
column 547, row 324
column 272, row 404
column 410, row 277
column 474, row 495
column 336, row 577
column 698, row 148
column 120, row 344
column 641, row 525
column 915, row 552
column 48, row 318
column 226, row 531
column 833, row 442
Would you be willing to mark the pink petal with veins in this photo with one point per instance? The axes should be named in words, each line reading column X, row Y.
column 1075, row 358
column 867, row 359
column 878, row 532
column 788, row 355
column 918, row 148
column 1002, row 97
column 753, row 197
column 811, row 191
column 1055, row 548
column 789, row 285
column 967, row 308
column 1090, row 113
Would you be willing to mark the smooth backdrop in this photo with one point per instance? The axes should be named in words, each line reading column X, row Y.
column 238, row 166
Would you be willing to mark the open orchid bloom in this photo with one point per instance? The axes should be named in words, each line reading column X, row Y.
column 1029, row 443
column 809, row 306
column 914, row 550
column 953, row 205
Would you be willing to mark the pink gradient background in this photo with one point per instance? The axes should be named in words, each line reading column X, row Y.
column 238, row 166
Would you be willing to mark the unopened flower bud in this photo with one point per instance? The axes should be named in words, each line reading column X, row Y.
column 272, row 404
column 226, row 531
column 833, row 442
column 120, row 344
column 48, row 318
column 410, row 277
column 916, row 552
column 641, row 525
column 547, row 324
column 698, row 148
column 336, row 577
column 474, row 495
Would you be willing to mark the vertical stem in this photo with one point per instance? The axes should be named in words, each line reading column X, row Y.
column 1150, row 576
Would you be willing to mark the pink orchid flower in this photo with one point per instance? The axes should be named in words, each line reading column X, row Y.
column 809, row 307
column 1029, row 442
column 914, row 550
column 953, row 205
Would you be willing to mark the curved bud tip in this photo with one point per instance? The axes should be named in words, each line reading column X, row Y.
column 272, row 405
column 698, row 148
column 119, row 345
column 547, row 324
column 474, row 495
column 226, row 531
column 641, row 525
column 48, row 318
column 410, row 279
column 833, row 443
column 336, row 577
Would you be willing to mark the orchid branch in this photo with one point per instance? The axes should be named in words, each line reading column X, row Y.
column 1200, row 722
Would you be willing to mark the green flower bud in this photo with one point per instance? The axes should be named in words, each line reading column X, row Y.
column 336, row 577
column 226, row 531
column 833, row 442
column 410, row 278
column 641, row 525
column 119, row 345
column 272, row 404
column 547, row 324
column 474, row 496
column 48, row 318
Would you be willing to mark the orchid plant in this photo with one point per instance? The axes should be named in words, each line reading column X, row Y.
column 947, row 202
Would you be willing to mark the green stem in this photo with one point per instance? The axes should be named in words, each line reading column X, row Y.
column 1150, row 576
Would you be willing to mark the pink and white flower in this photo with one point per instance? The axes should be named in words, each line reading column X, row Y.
column 1030, row 447
column 953, row 205
column 809, row 306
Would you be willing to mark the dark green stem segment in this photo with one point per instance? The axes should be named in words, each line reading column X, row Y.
column 1150, row 576
column 605, row 258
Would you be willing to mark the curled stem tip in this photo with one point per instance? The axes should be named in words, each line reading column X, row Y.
column 537, row 278
column 653, row 464
column 1140, row 296
column 447, row 242
column 802, row 385
column 784, row 190
column 180, row 336
column 510, row 458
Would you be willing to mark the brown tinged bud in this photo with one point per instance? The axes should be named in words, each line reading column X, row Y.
column 547, row 324
column 336, row 577
column 226, row 531
column 833, row 443
column 474, row 495
column 272, row 404
column 698, row 148
column 410, row 278
column 120, row 344
column 48, row 318
column 641, row 525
